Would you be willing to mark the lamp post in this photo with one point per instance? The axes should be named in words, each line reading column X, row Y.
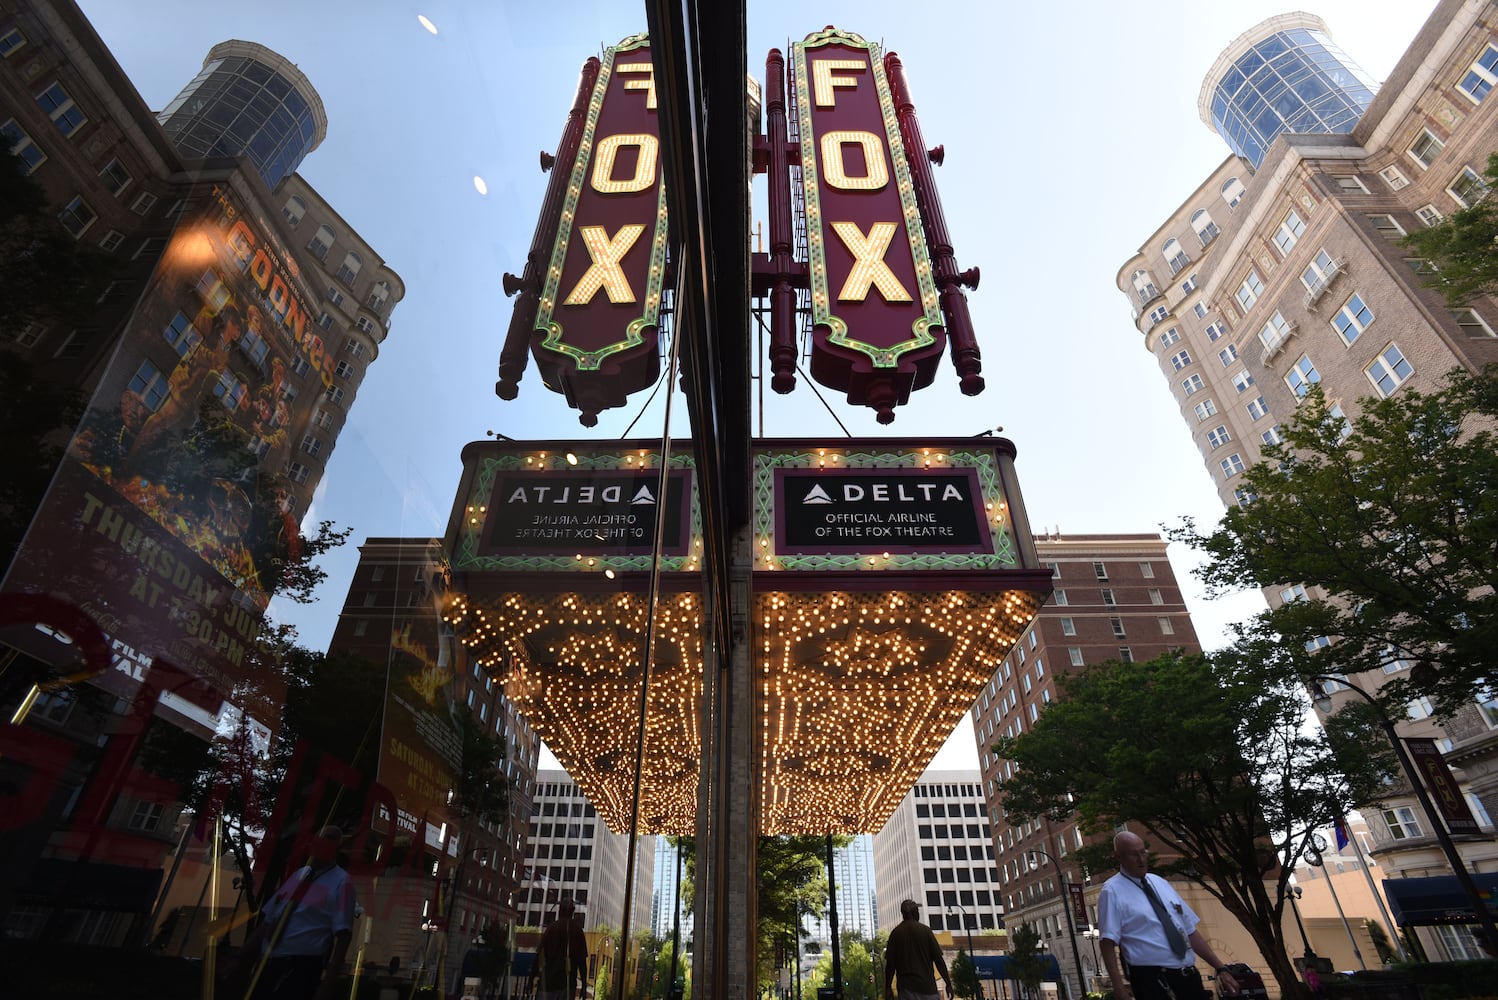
column 1071, row 927
column 1295, row 892
column 1092, row 934
column 1322, row 698
column 970, row 957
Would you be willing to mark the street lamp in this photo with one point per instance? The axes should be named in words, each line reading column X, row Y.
column 1322, row 698
column 970, row 956
column 1092, row 934
column 1295, row 892
column 1071, row 927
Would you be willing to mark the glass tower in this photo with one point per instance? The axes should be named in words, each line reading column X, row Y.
column 248, row 101
column 1283, row 75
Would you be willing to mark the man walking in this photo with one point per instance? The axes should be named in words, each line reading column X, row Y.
column 1142, row 916
column 912, row 951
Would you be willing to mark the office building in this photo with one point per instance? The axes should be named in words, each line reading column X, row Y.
column 570, row 852
column 1283, row 270
column 937, row 848
column 857, row 902
column 665, row 900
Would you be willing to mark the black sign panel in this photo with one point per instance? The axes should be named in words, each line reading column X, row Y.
column 588, row 513
column 879, row 510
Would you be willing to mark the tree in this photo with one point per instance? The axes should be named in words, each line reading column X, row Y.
column 1463, row 247
column 1212, row 757
column 857, row 966
column 1394, row 515
column 964, row 975
column 1025, row 959
column 32, row 415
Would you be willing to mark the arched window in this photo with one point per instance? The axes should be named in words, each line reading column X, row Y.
column 1144, row 286
column 1232, row 191
column 378, row 295
column 1206, row 229
column 294, row 209
column 321, row 243
column 1175, row 256
column 350, row 269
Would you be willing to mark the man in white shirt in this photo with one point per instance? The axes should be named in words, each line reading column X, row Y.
column 1142, row 916
column 306, row 958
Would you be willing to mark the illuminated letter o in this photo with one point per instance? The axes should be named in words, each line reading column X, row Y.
column 873, row 156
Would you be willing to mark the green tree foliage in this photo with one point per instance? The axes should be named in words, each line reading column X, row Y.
column 860, row 981
column 32, row 415
column 1026, row 961
column 1463, row 247
column 964, row 975
column 1212, row 757
column 1395, row 516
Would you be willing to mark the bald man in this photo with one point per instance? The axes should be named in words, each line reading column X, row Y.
column 1143, row 917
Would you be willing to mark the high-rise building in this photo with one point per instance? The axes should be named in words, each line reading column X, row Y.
column 1283, row 270
column 666, row 899
column 571, row 852
column 1116, row 598
column 857, row 901
column 937, row 848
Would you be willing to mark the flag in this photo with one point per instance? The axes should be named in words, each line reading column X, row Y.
column 1340, row 830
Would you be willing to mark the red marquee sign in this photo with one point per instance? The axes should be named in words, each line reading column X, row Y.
column 877, row 322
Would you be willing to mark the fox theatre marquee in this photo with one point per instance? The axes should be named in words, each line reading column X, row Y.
column 891, row 577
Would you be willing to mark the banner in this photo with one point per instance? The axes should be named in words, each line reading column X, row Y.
column 1442, row 783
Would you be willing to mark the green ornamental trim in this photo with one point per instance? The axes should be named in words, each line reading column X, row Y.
column 821, row 297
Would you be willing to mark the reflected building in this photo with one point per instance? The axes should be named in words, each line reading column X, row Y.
column 857, row 902
column 1284, row 269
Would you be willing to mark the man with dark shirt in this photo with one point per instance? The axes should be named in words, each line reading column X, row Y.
column 912, row 952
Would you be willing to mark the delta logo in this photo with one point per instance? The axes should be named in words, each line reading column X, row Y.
column 895, row 491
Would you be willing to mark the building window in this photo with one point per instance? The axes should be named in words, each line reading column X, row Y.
column 300, row 365
column 293, row 210
column 321, row 243
column 1216, row 330
column 1233, row 191
column 1481, row 75
column 1169, row 337
column 1147, row 570
column 1429, row 215
column 1206, row 230
column 1318, row 276
column 115, row 177
column 1471, row 324
column 1200, row 309
column 1075, row 655
column 1227, row 355
column 1275, row 332
column 334, row 394
column 1467, row 188
column 11, row 41
column 1108, row 598
column 1231, row 466
column 20, row 144
column 149, row 248
column 1205, row 409
column 1389, row 371
column 1189, row 285
column 1352, row 319
column 1180, row 360
column 61, row 109
column 354, row 347
column 1144, row 287
column 1425, row 148
column 146, row 817
column 1289, row 231
column 1293, row 593
column 1192, row 385
column 77, row 217
column 364, row 323
column 1068, row 627
column 1058, row 598
column 1248, row 293
column 1218, row 436
column 1257, row 408
column 1167, row 627
column 229, row 390
column 1158, row 315
column 1271, row 436
column 1244, row 496
column 111, row 241
column 182, row 335
column 30, row 335
column 1402, row 823
column 150, row 385
column 298, row 472
column 348, row 271
column 1175, row 256
column 1118, row 627
column 1387, row 226
column 1100, row 570
column 335, row 296
column 1301, row 377
column 1125, row 654
column 343, row 369
column 1350, row 184
column 311, row 444
column 1393, row 177
column 1242, row 381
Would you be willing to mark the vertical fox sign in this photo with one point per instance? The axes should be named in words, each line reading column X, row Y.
column 877, row 328
column 597, row 302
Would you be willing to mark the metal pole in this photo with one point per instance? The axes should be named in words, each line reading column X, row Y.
column 837, row 952
column 1294, row 894
column 1320, row 863
column 1378, row 898
column 1489, row 939
column 675, row 927
column 1071, row 926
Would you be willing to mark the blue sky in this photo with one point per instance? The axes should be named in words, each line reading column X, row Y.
column 1070, row 132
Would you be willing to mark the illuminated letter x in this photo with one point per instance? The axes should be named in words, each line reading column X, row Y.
column 869, row 267
column 604, row 272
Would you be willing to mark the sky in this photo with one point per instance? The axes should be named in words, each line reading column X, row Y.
column 1070, row 135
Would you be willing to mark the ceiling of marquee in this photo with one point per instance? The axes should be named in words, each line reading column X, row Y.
column 856, row 691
